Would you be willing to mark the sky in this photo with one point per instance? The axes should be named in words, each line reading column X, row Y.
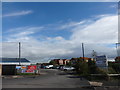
column 49, row 30
column 60, row 0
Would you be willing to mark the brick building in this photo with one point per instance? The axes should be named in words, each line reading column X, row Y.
column 74, row 60
column 61, row 61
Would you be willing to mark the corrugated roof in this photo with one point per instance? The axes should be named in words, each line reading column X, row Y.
column 13, row 60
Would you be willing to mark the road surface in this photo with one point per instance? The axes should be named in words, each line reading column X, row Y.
column 49, row 78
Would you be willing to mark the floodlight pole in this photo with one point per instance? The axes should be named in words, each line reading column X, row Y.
column 19, row 53
column 83, row 50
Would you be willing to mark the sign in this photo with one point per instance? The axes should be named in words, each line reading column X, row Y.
column 23, row 71
column 31, row 69
column 18, row 67
column 23, row 67
column 101, row 61
column 26, row 69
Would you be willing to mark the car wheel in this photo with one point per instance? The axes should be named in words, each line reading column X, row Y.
column 65, row 69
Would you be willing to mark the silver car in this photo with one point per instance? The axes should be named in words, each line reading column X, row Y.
column 67, row 68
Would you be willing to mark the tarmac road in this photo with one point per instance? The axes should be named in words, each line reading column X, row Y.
column 49, row 78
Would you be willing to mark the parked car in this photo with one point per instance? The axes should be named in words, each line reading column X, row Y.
column 55, row 67
column 67, row 68
column 49, row 66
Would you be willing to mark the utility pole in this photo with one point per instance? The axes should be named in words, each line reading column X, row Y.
column 83, row 50
column 19, row 53
column 118, row 55
column 118, row 50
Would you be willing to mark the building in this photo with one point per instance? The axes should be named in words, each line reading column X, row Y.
column 66, row 61
column 61, row 61
column 86, row 59
column 14, row 61
column 8, row 65
column 74, row 60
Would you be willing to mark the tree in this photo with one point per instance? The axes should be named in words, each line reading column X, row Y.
column 52, row 62
column 92, row 67
column 81, row 67
column 115, row 66
column 68, row 63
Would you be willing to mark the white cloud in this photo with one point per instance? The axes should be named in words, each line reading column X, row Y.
column 58, row 38
column 20, row 13
column 70, row 25
column 96, row 34
column 23, row 34
column 23, row 29
column 114, row 6
column 104, row 30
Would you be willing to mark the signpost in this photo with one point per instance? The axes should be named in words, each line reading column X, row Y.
column 101, row 61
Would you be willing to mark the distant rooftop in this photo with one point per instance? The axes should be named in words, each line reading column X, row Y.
column 13, row 60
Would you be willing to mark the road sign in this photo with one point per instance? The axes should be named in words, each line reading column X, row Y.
column 101, row 61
